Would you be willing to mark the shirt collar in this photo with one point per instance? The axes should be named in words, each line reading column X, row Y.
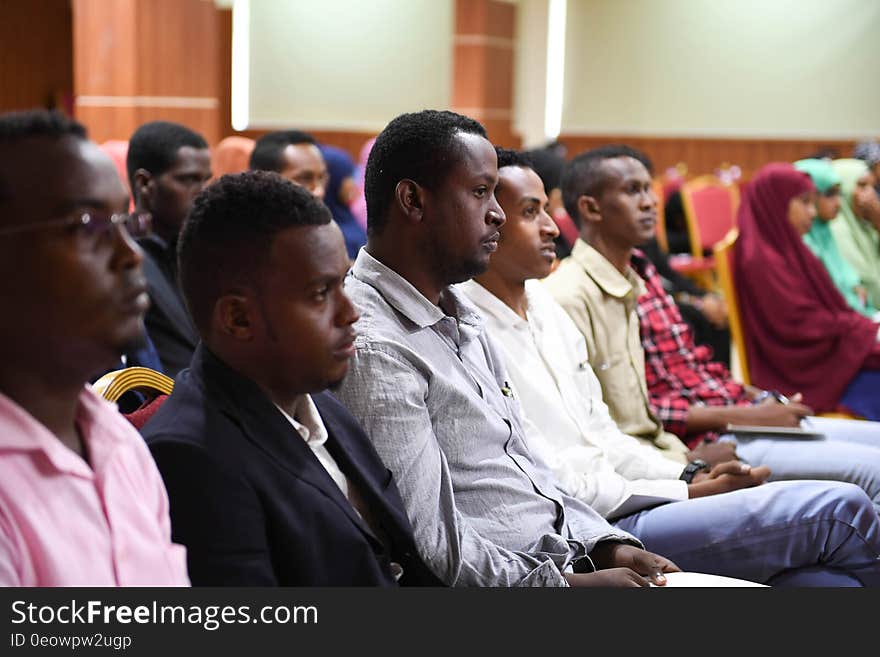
column 21, row 431
column 406, row 299
column 604, row 273
column 307, row 421
column 491, row 306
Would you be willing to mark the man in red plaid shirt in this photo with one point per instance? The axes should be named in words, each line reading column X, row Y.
column 695, row 398
column 689, row 394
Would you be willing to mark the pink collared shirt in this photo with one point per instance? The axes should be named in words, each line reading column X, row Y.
column 64, row 523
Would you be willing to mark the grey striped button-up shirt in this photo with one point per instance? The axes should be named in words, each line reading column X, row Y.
column 430, row 390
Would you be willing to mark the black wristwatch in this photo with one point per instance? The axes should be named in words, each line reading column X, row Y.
column 692, row 468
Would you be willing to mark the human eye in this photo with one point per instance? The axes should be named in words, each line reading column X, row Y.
column 320, row 294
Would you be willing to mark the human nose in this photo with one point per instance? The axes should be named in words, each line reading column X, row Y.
column 318, row 189
column 126, row 253
column 495, row 215
column 347, row 313
column 548, row 226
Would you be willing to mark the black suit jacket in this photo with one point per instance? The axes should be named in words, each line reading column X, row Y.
column 252, row 503
column 167, row 320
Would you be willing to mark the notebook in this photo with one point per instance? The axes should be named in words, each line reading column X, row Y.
column 798, row 433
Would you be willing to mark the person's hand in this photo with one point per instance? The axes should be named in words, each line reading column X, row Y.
column 771, row 413
column 714, row 453
column 752, row 391
column 726, row 477
column 715, row 310
column 862, row 294
column 610, row 554
column 612, row 577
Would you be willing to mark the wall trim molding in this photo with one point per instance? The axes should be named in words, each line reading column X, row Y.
column 180, row 102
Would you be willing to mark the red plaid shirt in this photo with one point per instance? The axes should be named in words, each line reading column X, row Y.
column 679, row 373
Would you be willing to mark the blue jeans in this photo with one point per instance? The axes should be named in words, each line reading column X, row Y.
column 849, row 452
column 792, row 533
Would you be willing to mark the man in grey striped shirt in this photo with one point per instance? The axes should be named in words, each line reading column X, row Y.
column 429, row 388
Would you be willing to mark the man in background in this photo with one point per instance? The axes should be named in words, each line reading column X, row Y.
column 294, row 155
column 168, row 165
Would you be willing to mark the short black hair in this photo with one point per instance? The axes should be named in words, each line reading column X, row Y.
column 511, row 158
column 549, row 165
column 27, row 124
column 421, row 146
column 583, row 175
column 266, row 155
column 229, row 232
column 153, row 147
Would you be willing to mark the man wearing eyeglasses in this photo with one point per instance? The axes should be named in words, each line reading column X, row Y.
column 81, row 501
column 168, row 165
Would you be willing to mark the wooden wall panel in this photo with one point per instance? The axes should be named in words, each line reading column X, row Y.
column 36, row 51
column 145, row 60
column 483, row 69
column 120, row 122
column 177, row 40
column 105, row 49
column 704, row 155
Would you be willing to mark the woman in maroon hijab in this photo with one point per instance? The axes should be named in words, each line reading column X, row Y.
column 801, row 336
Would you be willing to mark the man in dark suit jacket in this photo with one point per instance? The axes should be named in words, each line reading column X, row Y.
column 270, row 480
column 168, row 165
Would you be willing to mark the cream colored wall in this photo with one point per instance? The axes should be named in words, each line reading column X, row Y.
column 530, row 71
column 347, row 64
column 779, row 68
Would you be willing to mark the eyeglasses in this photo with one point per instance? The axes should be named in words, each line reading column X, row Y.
column 93, row 225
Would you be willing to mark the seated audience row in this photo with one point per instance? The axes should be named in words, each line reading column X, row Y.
column 429, row 471
column 800, row 333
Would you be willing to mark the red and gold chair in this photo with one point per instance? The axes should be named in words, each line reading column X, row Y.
column 153, row 385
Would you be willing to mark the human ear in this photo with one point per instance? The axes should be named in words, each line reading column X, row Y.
column 143, row 185
column 233, row 316
column 410, row 198
column 588, row 208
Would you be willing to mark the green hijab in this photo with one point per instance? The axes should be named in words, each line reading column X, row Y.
column 821, row 240
column 857, row 239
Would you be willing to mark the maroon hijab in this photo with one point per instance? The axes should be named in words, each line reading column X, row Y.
column 801, row 336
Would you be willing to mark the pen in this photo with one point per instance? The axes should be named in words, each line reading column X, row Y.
column 782, row 399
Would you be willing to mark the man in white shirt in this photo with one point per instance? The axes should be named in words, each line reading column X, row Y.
column 734, row 528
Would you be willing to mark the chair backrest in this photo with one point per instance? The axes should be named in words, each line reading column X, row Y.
column 151, row 383
column 710, row 210
column 657, row 185
column 724, row 255
column 231, row 155
column 153, row 386
column 139, row 417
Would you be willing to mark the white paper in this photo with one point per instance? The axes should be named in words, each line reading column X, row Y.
column 637, row 502
column 702, row 580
